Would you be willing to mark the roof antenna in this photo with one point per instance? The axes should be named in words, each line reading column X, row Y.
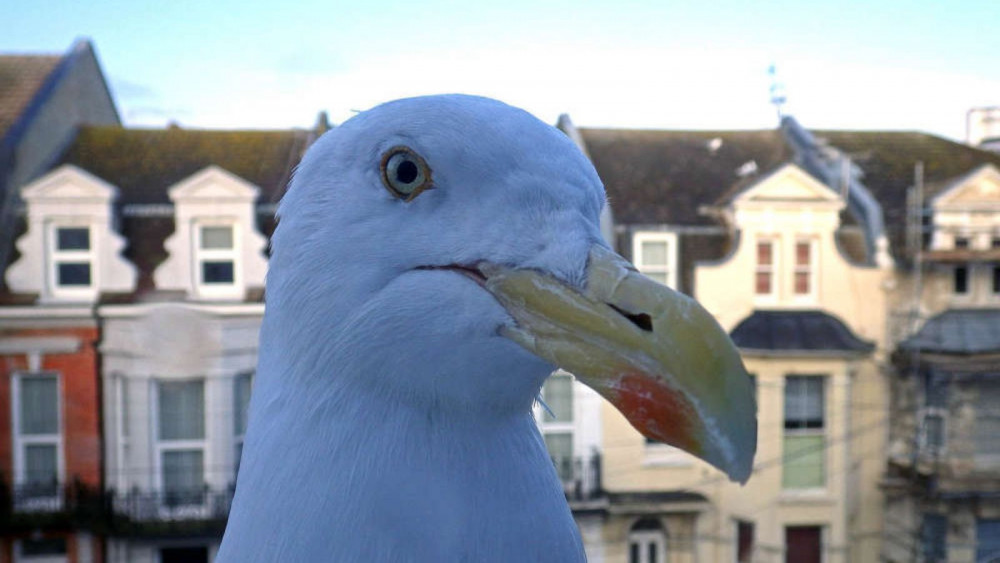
column 778, row 97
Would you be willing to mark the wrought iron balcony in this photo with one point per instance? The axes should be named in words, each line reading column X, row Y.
column 580, row 476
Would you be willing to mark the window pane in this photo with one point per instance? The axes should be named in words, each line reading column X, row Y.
column 986, row 431
column 73, row 273
column 652, row 553
column 182, row 410
column 633, row 552
column 763, row 286
column 43, row 547
column 803, row 457
column 76, row 238
column 560, row 446
column 933, row 431
column 996, row 279
column 41, row 464
column 558, row 395
column 803, row 402
column 764, row 255
column 654, row 253
column 659, row 277
column 803, row 253
column 39, row 405
column 961, row 242
column 933, row 532
column 803, row 544
column 241, row 402
column 802, row 283
column 183, row 475
column 217, row 272
column 217, row 237
column 988, row 540
column 961, row 279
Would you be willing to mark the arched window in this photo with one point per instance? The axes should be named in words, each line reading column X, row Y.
column 647, row 542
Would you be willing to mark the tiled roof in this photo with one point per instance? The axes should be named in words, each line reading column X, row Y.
column 20, row 78
column 143, row 163
column 887, row 160
column 797, row 331
column 657, row 177
column 958, row 331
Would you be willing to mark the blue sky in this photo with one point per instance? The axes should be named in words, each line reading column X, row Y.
column 879, row 64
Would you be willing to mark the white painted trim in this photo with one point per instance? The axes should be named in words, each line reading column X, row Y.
column 222, row 310
column 204, row 290
column 39, row 345
column 162, row 446
column 46, row 312
column 670, row 268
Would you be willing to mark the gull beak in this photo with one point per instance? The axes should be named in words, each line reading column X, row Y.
column 656, row 354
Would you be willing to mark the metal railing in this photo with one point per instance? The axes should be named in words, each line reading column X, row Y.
column 580, row 476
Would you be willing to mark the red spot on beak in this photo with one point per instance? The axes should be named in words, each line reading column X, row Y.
column 659, row 412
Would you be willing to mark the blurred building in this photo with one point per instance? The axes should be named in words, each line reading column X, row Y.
column 862, row 289
column 983, row 128
column 797, row 241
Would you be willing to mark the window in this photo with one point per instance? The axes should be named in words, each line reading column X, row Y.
column 986, row 431
column 655, row 255
column 987, row 540
column 996, row 280
column 647, row 542
column 216, row 255
column 72, row 261
column 933, row 535
column 933, row 431
column 803, row 544
column 804, row 445
column 41, row 550
column 995, row 242
column 961, row 242
column 766, row 262
column 960, row 280
column 184, row 554
column 557, row 426
column 181, row 441
column 241, row 404
column 744, row 541
column 805, row 255
column 37, row 441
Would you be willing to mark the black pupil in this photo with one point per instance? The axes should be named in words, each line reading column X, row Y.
column 406, row 172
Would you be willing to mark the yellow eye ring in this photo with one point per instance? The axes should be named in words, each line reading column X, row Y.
column 405, row 173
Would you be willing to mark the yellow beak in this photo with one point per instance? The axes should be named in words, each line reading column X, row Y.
column 656, row 354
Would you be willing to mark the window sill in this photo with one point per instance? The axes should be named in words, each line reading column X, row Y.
column 806, row 496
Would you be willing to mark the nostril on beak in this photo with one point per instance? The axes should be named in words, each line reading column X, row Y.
column 641, row 320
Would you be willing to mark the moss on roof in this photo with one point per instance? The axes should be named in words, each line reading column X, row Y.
column 143, row 163
column 655, row 177
column 887, row 159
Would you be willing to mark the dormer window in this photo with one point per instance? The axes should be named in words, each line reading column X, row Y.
column 72, row 258
column 216, row 255
column 805, row 258
column 764, row 274
column 655, row 255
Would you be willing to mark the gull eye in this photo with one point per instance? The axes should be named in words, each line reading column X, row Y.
column 405, row 173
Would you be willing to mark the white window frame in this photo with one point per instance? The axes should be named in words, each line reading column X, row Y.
column 21, row 442
column 546, row 423
column 199, row 255
column 122, row 420
column 772, row 269
column 925, row 447
column 198, row 510
column 670, row 269
column 811, row 269
column 644, row 538
column 55, row 256
column 822, row 432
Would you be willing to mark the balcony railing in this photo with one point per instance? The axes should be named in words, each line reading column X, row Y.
column 580, row 476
